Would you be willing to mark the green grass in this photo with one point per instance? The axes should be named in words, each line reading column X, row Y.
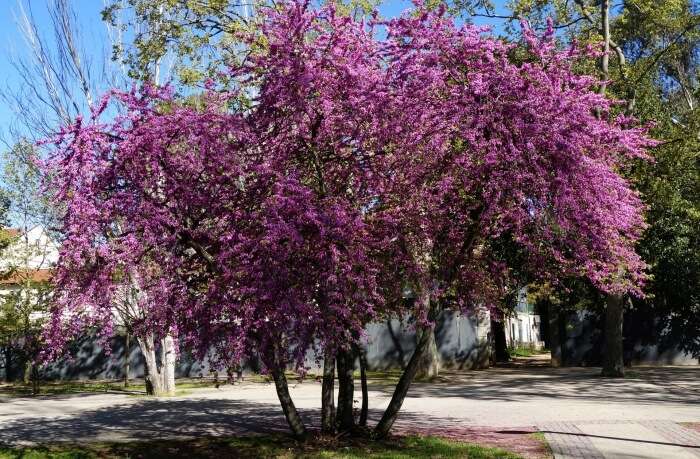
column 183, row 387
column 631, row 374
column 525, row 352
column 67, row 387
column 539, row 436
column 264, row 447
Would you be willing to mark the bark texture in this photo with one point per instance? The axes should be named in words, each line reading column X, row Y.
column 168, row 358
column 154, row 380
column 328, row 394
column 362, row 352
column 295, row 422
column 346, row 390
column 160, row 379
column 392, row 410
column 429, row 364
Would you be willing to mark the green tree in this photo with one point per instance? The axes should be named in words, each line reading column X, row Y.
column 27, row 254
column 653, row 66
column 189, row 41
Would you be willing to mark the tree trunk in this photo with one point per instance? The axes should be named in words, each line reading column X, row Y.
column 9, row 373
column 168, row 361
column 290, row 411
column 401, row 389
column 554, row 338
column 429, row 364
column 27, row 376
column 613, row 364
column 154, row 378
column 362, row 352
column 35, row 380
column 500, row 343
column 328, row 394
column 346, row 390
column 127, row 348
column 605, row 29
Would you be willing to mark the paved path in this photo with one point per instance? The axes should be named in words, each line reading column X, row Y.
column 621, row 439
column 503, row 400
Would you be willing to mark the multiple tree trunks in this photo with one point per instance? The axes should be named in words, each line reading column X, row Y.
column 398, row 109
column 160, row 379
column 344, row 418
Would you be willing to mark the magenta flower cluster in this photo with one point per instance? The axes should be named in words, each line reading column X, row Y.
column 354, row 161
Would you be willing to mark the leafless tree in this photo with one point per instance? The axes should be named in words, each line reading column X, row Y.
column 60, row 77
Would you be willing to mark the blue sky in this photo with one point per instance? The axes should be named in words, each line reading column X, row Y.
column 92, row 29
column 12, row 41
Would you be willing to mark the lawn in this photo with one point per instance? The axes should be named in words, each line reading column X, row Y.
column 264, row 447
column 526, row 352
column 183, row 385
column 136, row 387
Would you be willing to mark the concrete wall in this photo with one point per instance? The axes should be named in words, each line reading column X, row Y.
column 645, row 342
column 463, row 342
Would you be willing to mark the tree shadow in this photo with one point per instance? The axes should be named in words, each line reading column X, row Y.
column 644, row 385
column 149, row 420
column 171, row 418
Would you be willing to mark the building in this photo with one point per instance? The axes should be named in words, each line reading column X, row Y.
column 523, row 326
column 29, row 257
column 26, row 263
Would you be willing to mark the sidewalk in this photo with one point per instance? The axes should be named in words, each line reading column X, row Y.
column 621, row 439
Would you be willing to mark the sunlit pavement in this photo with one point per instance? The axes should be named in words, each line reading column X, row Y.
column 613, row 415
column 622, row 439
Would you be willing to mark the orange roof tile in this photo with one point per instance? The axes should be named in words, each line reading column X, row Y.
column 10, row 232
column 23, row 275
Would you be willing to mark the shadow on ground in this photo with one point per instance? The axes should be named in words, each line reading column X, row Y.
column 176, row 418
column 192, row 418
column 151, row 419
column 643, row 385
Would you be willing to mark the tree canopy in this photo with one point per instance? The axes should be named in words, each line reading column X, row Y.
column 285, row 212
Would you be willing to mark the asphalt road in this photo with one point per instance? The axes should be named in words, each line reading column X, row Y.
column 508, row 398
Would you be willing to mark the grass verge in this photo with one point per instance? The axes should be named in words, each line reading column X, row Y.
column 526, row 352
column 264, row 447
column 136, row 387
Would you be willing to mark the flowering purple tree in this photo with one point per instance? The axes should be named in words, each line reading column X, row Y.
column 496, row 153
column 287, row 214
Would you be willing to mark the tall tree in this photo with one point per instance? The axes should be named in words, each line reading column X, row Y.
column 651, row 65
column 270, row 223
column 189, row 41
column 60, row 81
